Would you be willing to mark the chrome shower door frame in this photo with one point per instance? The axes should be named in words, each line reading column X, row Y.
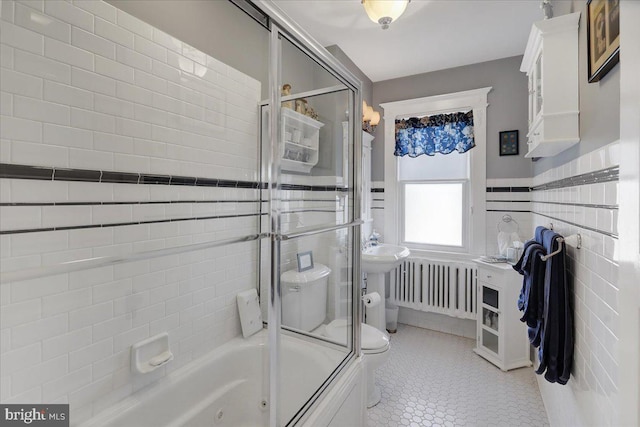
column 282, row 27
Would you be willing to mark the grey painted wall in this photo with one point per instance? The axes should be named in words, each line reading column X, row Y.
column 217, row 28
column 507, row 108
column 331, row 158
column 599, row 102
column 367, row 85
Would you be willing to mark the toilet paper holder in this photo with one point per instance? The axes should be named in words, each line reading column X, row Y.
column 372, row 299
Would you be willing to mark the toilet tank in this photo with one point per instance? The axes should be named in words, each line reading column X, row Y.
column 304, row 297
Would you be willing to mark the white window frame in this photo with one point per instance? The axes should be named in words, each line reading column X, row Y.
column 476, row 100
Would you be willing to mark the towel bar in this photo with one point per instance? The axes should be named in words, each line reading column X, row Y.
column 575, row 240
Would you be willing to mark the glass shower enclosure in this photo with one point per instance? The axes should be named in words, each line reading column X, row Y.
column 312, row 197
column 170, row 158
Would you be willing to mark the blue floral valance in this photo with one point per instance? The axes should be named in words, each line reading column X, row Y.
column 428, row 135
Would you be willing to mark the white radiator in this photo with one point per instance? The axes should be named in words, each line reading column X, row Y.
column 446, row 287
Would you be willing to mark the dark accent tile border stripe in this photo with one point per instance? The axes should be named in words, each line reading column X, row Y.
column 508, row 189
column 206, row 182
column 606, row 233
column 301, row 187
column 76, row 175
column 182, row 180
column 507, row 201
column 304, row 200
column 160, row 202
column 293, row 211
column 121, row 224
column 25, row 172
column 155, row 202
column 13, row 171
column 488, row 210
column 584, row 205
column 120, row 177
column 154, row 179
column 603, row 175
column 377, row 190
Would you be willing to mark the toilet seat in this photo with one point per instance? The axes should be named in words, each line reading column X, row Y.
column 372, row 340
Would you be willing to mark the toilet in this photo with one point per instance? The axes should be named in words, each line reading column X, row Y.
column 304, row 307
column 375, row 348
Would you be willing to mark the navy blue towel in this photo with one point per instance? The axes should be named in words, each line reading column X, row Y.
column 545, row 300
column 531, row 300
column 556, row 346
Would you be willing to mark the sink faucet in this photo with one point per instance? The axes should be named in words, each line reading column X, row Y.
column 366, row 244
column 373, row 240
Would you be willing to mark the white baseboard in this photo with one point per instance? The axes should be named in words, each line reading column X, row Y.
column 438, row 322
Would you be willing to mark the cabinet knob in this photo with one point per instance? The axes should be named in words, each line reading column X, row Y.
column 489, row 276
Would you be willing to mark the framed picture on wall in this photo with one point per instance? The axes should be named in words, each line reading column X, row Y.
column 603, row 37
column 509, row 143
column 305, row 261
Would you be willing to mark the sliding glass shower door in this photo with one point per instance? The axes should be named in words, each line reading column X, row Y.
column 310, row 153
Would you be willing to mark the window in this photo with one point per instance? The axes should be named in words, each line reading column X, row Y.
column 465, row 184
column 434, row 201
column 433, row 213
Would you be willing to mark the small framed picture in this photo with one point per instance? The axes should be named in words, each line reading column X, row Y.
column 305, row 261
column 603, row 37
column 509, row 143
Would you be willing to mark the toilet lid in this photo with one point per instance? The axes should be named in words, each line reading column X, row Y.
column 306, row 277
column 371, row 338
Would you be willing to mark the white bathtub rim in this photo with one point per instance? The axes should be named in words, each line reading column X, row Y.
column 157, row 388
column 160, row 386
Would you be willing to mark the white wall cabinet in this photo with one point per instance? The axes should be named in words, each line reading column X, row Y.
column 551, row 64
column 501, row 336
column 301, row 141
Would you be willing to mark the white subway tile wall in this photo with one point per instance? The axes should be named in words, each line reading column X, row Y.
column 98, row 89
column 507, row 197
column 592, row 211
column 168, row 97
column 593, row 271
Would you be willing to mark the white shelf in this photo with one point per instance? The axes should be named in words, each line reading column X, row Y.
column 301, row 146
column 296, row 166
column 298, row 156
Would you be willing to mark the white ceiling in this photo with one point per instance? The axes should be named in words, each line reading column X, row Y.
column 431, row 35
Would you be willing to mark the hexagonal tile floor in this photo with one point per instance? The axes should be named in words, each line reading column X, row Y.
column 435, row 379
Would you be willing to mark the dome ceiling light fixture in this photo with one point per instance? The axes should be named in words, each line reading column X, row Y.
column 384, row 12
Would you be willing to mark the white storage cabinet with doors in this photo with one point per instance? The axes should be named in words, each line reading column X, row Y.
column 501, row 336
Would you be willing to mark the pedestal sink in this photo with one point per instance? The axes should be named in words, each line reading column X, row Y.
column 383, row 258
column 376, row 261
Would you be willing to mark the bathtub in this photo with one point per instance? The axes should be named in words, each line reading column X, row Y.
column 227, row 387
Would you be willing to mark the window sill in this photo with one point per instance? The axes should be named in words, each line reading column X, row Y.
column 442, row 255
